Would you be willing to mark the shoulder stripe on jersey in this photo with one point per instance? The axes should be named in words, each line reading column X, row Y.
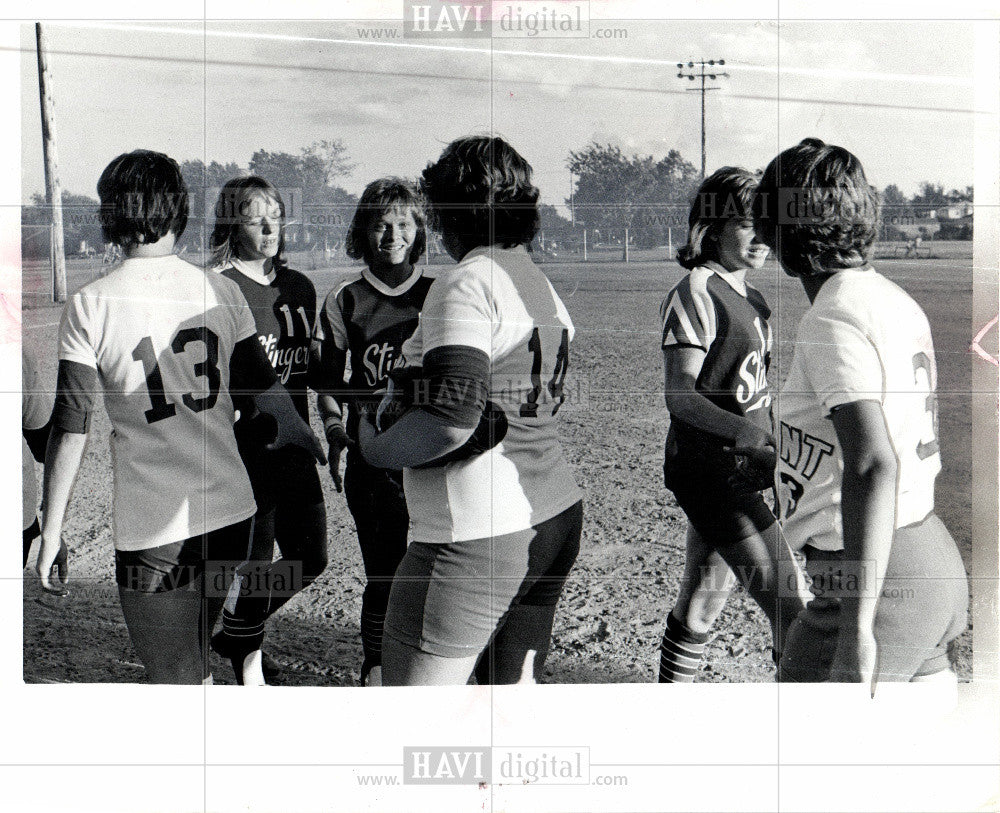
column 688, row 314
column 331, row 317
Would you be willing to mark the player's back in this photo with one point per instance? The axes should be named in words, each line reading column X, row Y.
column 160, row 333
column 898, row 328
column 511, row 312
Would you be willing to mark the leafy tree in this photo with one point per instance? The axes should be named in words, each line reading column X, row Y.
column 615, row 191
column 322, row 212
column 930, row 196
column 203, row 183
column 81, row 226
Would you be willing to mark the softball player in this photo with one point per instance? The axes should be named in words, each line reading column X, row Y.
column 859, row 449
column 247, row 247
column 716, row 350
column 367, row 318
column 166, row 343
column 495, row 534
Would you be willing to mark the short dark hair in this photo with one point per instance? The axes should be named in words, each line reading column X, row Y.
column 726, row 194
column 380, row 197
column 143, row 197
column 480, row 190
column 229, row 208
column 816, row 210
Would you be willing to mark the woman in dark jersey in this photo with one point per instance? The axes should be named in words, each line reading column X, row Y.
column 716, row 345
column 247, row 247
column 367, row 317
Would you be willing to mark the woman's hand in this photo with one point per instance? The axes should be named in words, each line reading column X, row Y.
column 338, row 439
column 53, row 565
column 755, row 456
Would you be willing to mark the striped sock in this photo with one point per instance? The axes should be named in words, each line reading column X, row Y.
column 680, row 652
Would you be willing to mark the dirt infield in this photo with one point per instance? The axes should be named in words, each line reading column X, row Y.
column 611, row 615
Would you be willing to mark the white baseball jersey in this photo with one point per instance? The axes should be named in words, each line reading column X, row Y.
column 864, row 338
column 160, row 333
column 497, row 301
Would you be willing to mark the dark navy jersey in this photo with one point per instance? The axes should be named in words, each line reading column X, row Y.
column 710, row 311
column 369, row 321
column 284, row 311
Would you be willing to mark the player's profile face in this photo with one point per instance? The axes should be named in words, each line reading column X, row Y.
column 258, row 235
column 738, row 246
column 390, row 237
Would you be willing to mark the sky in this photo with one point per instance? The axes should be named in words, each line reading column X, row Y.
column 898, row 94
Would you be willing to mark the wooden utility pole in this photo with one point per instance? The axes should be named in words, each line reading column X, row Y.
column 53, row 190
column 706, row 70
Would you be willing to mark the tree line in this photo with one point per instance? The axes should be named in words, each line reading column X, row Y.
column 319, row 209
column 614, row 194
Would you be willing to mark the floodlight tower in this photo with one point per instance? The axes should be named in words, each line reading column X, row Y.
column 706, row 70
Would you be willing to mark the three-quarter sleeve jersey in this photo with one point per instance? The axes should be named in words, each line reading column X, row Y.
column 710, row 311
column 864, row 338
column 160, row 334
column 370, row 321
column 497, row 301
column 283, row 305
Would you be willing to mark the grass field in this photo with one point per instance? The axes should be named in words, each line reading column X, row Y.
column 611, row 615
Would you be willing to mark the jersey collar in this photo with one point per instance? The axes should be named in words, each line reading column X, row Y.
column 733, row 283
column 251, row 274
column 400, row 289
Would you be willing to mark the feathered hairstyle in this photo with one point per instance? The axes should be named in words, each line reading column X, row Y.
column 724, row 195
column 480, row 191
column 381, row 197
column 143, row 197
column 816, row 210
column 231, row 207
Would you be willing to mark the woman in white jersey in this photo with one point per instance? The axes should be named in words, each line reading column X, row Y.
column 858, row 439
column 167, row 344
column 495, row 531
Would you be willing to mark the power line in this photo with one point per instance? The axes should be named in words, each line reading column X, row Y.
column 510, row 81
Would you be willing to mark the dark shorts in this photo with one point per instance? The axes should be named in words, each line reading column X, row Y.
column 448, row 599
column 178, row 565
column 923, row 607
column 283, row 477
column 702, row 490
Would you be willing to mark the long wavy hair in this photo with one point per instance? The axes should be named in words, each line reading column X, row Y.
column 816, row 210
column 480, row 191
column 230, row 207
column 726, row 194
column 143, row 197
column 381, row 197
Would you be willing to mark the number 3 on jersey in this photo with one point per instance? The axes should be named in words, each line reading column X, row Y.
column 161, row 408
column 922, row 372
column 556, row 386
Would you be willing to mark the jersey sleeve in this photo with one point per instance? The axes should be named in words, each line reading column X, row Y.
column 561, row 313
column 331, row 321
column 459, row 310
column 76, row 340
column 413, row 347
column 840, row 361
column 232, row 297
column 687, row 316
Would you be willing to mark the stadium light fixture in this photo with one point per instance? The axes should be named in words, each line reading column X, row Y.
column 702, row 74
